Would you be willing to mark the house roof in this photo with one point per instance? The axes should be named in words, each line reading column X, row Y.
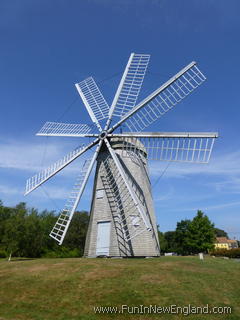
column 232, row 241
column 221, row 240
column 225, row 240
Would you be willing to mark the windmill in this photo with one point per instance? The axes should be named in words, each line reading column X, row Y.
column 122, row 219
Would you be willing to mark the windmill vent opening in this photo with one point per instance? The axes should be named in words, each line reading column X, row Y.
column 100, row 193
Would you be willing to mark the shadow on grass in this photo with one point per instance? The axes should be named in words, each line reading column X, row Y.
column 21, row 259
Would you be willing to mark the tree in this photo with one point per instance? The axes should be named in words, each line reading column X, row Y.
column 220, row 233
column 182, row 230
column 14, row 230
column 24, row 232
column 162, row 240
column 76, row 235
column 5, row 214
column 47, row 221
column 200, row 236
column 32, row 239
column 170, row 237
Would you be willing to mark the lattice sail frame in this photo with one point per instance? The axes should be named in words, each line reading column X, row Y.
column 93, row 100
column 60, row 228
column 187, row 147
column 47, row 173
column 64, row 129
column 131, row 84
column 177, row 149
column 174, row 92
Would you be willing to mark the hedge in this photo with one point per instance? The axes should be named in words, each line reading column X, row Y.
column 231, row 253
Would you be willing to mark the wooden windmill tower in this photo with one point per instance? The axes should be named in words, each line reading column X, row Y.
column 122, row 219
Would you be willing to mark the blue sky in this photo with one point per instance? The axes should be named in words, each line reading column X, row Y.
column 47, row 46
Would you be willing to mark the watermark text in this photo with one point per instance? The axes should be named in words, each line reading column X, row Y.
column 171, row 309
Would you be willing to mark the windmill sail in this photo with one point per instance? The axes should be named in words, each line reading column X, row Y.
column 38, row 179
column 163, row 99
column 64, row 130
column 177, row 147
column 93, row 99
column 59, row 230
column 130, row 84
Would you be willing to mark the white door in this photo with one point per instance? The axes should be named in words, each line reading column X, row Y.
column 103, row 238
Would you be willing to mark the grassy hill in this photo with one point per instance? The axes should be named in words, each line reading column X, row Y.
column 69, row 289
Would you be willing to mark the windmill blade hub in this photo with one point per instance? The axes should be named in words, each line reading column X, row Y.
column 103, row 135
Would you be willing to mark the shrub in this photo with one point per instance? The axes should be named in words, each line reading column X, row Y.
column 62, row 252
column 232, row 253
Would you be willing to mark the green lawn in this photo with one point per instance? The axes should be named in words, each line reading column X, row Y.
column 68, row 289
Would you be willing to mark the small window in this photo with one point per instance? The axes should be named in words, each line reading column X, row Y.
column 135, row 220
column 100, row 193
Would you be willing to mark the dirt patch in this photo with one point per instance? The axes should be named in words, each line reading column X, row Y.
column 101, row 274
column 44, row 267
column 38, row 268
column 60, row 264
column 158, row 278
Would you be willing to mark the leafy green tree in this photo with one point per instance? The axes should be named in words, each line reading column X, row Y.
column 5, row 214
column 220, row 233
column 170, row 238
column 162, row 241
column 32, row 239
column 76, row 235
column 200, row 236
column 47, row 221
column 182, row 230
column 14, row 230
column 25, row 232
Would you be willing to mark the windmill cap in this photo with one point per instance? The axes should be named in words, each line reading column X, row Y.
column 128, row 144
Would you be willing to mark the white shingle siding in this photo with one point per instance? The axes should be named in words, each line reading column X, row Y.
column 146, row 244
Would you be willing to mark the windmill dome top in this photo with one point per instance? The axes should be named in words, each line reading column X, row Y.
column 128, row 144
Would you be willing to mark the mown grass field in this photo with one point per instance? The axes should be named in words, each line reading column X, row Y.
column 68, row 289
